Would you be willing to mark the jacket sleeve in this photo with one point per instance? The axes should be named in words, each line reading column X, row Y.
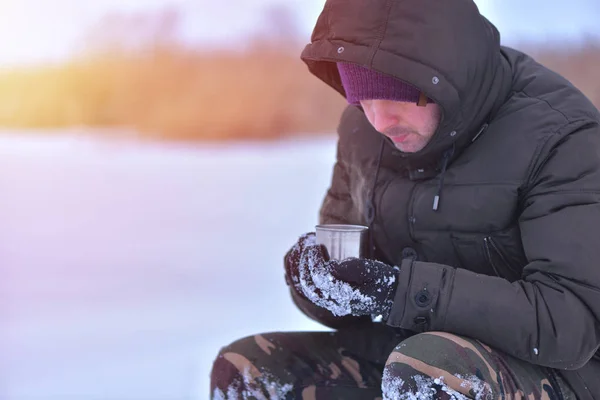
column 551, row 317
column 337, row 206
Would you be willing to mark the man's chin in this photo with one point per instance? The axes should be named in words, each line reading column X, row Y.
column 406, row 143
column 406, row 147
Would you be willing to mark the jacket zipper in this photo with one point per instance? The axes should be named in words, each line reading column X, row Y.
column 486, row 242
column 502, row 256
column 483, row 128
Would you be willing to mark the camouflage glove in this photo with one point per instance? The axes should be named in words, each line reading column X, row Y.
column 352, row 286
column 291, row 261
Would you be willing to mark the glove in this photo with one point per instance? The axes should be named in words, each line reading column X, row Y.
column 291, row 261
column 352, row 286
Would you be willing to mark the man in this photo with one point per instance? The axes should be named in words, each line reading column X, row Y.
column 478, row 173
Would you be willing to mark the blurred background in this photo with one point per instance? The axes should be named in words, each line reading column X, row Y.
column 157, row 159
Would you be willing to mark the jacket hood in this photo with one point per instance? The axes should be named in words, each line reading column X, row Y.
column 447, row 49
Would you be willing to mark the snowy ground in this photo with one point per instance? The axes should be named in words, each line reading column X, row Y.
column 124, row 267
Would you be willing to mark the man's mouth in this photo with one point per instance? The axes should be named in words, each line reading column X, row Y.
column 398, row 138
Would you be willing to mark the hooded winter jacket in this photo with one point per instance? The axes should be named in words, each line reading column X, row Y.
column 495, row 224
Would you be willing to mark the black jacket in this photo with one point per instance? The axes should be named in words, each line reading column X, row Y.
column 512, row 254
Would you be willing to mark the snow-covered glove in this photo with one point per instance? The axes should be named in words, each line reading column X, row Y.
column 352, row 286
column 291, row 261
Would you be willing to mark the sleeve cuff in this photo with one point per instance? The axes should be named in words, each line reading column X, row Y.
column 419, row 303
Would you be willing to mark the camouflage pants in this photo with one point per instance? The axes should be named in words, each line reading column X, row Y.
column 376, row 363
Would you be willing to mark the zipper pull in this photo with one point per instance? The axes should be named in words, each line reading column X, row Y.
column 436, row 202
column 483, row 128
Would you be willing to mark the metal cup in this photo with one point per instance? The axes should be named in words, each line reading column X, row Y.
column 343, row 241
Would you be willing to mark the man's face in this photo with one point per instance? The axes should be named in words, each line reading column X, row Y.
column 408, row 125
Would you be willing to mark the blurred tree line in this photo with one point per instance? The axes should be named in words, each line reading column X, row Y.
column 135, row 72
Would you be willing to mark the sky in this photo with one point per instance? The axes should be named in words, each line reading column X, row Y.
column 34, row 31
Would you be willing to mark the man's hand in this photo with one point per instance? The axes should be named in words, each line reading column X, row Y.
column 291, row 261
column 352, row 286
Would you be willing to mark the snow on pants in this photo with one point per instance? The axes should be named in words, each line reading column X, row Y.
column 376, row 363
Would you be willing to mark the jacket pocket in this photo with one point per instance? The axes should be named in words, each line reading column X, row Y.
column 497, row 254
column 471, row 253
column 499, row 260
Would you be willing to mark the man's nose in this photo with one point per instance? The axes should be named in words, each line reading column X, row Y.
column 383, row 116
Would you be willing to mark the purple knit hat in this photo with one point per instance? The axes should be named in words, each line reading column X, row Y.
column 361, row 83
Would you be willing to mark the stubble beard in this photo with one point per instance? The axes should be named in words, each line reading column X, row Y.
column 412, row 139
